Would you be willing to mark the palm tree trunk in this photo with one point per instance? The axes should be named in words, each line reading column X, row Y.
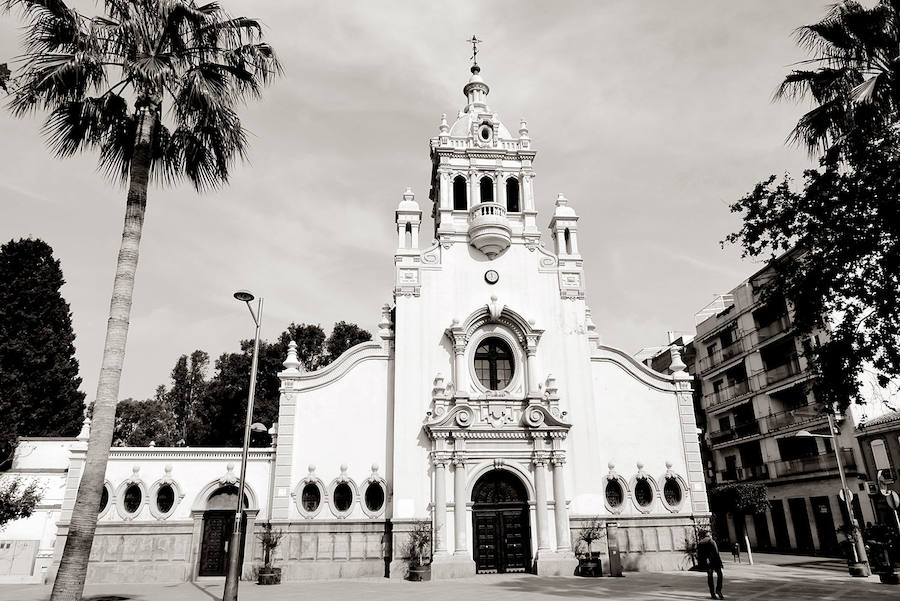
column 73, row 566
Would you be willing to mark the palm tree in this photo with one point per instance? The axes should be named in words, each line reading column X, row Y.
column 153, row 86
column 855, row 82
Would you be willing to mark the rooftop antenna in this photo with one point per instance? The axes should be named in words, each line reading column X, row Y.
column 474, row 41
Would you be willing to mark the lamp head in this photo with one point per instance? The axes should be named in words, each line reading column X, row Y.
column 245, row 296
column 803, row 434
column 258, row 427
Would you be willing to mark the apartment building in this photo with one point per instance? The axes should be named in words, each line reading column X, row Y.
column 755, row 396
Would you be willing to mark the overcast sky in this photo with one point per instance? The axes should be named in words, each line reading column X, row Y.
column 651, row 117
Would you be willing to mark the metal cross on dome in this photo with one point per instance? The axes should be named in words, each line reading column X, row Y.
column 474, row 41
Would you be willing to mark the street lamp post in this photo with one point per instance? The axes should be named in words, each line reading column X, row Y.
column 234, row 549
column 859, row 545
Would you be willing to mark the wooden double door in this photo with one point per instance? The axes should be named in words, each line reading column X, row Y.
column 502, row 540
column 217, row 529
column 500, row 518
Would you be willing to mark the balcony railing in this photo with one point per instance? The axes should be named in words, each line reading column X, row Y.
column 721, row 355
column 811, row 465
column 751, row 472
column 781, row 324
column 793, row 417
column 726, row 394
column 738, row 431
column 783, row 371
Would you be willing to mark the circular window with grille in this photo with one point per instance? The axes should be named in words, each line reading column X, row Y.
column 132, row 499
column 615, row 494
column 342, row 497
column 374, row 497
column 672, row 492
column 165, row 498
column 643, row 493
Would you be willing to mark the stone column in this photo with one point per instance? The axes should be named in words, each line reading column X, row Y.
column 540, row 493
column 459, row 506
column 500, row 184
column 415, row 235
column 563, row 538
column 459, row 379
column 531, row 368
column 474, row 190
column 440, row 504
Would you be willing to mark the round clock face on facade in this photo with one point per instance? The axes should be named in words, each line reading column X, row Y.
column 491, row 276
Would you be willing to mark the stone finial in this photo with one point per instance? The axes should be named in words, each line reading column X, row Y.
column 612, row 471
column 168, row 469
column 444, row 128
column 439, row 387
column 523, row 128
column 677, row 366
column 550, row 385
column 561, row 200
column 85, row 432
column 408, row 194
column 292, row 363
column 311, row 468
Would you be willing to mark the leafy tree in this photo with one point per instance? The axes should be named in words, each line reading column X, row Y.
column 845, row 275
column 188, row 383
column 138, row 423
column 106, row 82
column 739, row 499
column 18, row 499
column 855, row 82
column 343, row 336
column 39, row 380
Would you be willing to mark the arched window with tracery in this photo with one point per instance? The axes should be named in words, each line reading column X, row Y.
column 460, row 200
column 487, row 189
column 494, row 364
column 512, row 195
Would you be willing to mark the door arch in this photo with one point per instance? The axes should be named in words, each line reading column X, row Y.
column 500, row 518
column 218, row 526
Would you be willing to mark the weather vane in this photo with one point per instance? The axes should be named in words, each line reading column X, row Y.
column 474, row 41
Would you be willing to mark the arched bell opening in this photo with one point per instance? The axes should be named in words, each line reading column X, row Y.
column 500, row 518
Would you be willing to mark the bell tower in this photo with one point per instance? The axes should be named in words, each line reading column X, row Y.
column 482, row 177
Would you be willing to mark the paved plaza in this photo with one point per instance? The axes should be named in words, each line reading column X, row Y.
column 773, row 577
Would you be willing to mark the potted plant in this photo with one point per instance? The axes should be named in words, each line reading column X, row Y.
column 270, row 540
column 417, row 551
column 588, row 559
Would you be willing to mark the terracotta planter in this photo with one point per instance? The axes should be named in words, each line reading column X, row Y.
column 590, row 567
column 269, row 576
column 419, row 573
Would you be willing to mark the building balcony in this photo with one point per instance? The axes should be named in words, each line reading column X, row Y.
column 783, row 371
column 722, row 355
column 489, row 229
column 793, row 417
column 727, row 394
column 738, row 431
column 744, row 474
column 812, row 465
column 781, row 324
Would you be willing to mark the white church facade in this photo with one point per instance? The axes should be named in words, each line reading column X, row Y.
column 486, row 404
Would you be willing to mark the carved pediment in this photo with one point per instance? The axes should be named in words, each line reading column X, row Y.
column 495, row 415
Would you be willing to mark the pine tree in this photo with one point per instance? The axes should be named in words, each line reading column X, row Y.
column 39, row 380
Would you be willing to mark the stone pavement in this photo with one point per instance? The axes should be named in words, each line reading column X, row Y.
column 773, row 577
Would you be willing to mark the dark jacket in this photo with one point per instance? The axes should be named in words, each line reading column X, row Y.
column 708, row 554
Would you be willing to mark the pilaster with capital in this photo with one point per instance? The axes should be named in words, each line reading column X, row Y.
column 439, row 461
column 459, row 504
column 563, row 539
column 539, row 460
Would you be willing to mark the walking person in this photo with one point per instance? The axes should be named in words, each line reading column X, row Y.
column 710, row 560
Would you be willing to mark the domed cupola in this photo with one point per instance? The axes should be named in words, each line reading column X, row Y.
column 481, row 185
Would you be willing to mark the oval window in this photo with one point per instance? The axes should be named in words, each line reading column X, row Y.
column 343, row 496
column 165, row 498
column 374, row 497
column 485, row 132
column 132, row 499
column 614, row 493
column 494, row 364
column 643, row 493
column 672, row 492
column 310, row 497
column 104, row 499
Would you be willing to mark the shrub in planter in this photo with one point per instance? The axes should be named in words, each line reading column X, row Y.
column 270, row 540
column 417, row 551
column 588, row 559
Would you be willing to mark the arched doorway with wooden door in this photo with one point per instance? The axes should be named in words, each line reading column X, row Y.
column 218, row 525
column 500, row 517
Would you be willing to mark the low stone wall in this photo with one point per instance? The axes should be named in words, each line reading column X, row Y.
column 646, row 544
column 134, row 552
column 328, row 549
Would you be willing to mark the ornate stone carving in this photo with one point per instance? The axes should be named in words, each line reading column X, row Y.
column 464, row 417
column 230, row 477
column 611, row 475
column 534, row 417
